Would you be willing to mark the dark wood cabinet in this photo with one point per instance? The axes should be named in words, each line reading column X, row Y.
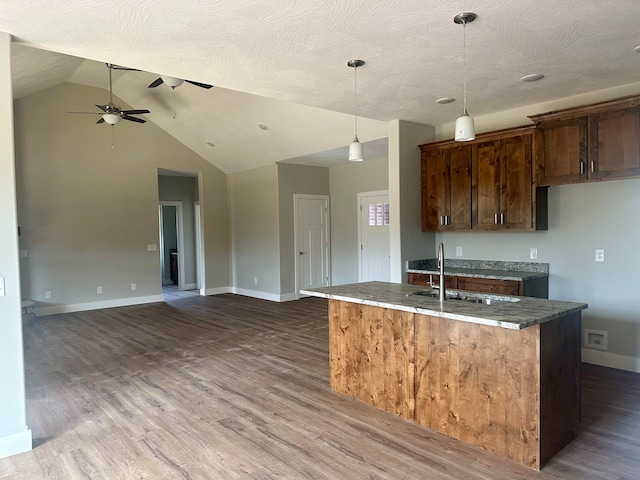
column 427, row 279
column 589, row 143
column 490, row 285
column 502, row 184
column 486, row 184
column 446, row 188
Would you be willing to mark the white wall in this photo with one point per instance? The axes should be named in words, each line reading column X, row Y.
column 15, row 437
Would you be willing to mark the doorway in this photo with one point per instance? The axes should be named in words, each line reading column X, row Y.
column 374, row 259
column 311, row 241
column 171, row 244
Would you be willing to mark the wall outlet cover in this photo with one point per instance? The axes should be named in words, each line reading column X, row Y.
column 533, row 253
column 458, row 251
column 597, row 339
column 599, row 255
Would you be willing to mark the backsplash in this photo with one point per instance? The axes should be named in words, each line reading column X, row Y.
column 432, row 263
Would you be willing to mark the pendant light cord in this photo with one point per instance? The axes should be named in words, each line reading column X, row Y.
column 464, row 65
column 355, row 101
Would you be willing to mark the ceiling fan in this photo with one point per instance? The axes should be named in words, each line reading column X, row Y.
column 112, row 113
column 174, row 82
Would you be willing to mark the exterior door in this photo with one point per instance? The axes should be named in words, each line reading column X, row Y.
column 311, row 241
column 375, row 251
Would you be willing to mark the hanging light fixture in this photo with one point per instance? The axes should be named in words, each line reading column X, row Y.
column 356, row 153
column 465, row 129
column 111, row 118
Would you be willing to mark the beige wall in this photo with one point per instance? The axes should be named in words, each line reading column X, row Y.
column 253, row 198
column 346, row 181
column 294, row 179
column 15, row 437
column 88, row 211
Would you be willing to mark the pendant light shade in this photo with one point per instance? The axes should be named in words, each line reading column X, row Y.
column 111, row 118
column 465, row 128
column 356, row 152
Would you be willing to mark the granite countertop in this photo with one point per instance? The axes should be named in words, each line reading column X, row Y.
column 498, row 270
column 523, row 313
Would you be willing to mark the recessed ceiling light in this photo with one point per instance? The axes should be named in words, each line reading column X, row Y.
column 637, row 49
column 445, row 100
column 262, row 126
column 210, row 143
column 534, row 77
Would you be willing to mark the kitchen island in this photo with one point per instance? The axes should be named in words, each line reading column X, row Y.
column 504, row 376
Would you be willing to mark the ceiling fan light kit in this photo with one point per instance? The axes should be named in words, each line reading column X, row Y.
column 464, row 128
column 356, row 152
column 111, row 118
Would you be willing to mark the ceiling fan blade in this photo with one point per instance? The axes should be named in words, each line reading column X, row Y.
column 102, row 107
column 198, row 84
column 101, row 120
column 155, row 83
column 133, row 119
column 134, row 112
column 87, row 113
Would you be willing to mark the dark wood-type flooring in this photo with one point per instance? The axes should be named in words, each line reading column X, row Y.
column 230, row 387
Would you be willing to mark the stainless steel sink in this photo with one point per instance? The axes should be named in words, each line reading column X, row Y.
column 479, row 298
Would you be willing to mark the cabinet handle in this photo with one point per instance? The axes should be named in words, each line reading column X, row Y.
column 446, row 220
column 502, row 219
column 581, row 167
column 495, row 219
column 441, row 219
column 593, row 166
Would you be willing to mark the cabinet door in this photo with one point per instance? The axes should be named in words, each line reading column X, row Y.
column 614, row 142
column 488, row 285
column 434, row 179
column 565, row 151
column 516, row 183
column 446, row 189
column 486, row 185
column 459, row 176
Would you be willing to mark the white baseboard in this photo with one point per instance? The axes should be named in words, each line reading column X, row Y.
column 189, row 286
column 274, row 297
column 15, row 443
column 215, row 290
column 81, row 307
column 611, row 360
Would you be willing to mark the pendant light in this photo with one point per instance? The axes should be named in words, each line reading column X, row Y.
column 465, row 129
column 356, row 153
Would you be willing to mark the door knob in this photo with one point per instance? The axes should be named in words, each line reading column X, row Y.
column 303, row 253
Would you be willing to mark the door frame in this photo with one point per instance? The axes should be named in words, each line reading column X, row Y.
column 327, row 218
column 360, row 196
column 180, row 238
column 200, row 273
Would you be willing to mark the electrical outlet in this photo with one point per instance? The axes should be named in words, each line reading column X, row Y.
column 458, row 251
column 3, row 292
column 152, row 247
column 599, row 255
column 255, row 280
column 99, row 290
column 47, row 295
column 533, row 253
column 133, row 286
column 23, row 253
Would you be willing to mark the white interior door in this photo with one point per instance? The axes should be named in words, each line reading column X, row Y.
column 311, row 218
column 373, row 231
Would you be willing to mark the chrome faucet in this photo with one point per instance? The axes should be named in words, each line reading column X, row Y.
column 442, row 292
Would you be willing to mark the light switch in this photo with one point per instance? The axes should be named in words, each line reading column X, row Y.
column 151, row 247
column 458, row 251
column 3, row 292
column 599, row 255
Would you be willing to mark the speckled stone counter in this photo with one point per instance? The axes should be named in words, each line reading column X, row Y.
column 497, row 270
column 523, row 313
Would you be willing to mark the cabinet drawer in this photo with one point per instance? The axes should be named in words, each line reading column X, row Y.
column 487, row 285
column 425, row 278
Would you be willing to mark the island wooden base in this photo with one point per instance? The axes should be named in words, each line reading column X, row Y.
column 515, row 393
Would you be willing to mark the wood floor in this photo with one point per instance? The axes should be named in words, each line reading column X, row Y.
column 229, row 387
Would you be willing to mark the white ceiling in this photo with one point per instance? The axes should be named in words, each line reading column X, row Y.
column 291, row 58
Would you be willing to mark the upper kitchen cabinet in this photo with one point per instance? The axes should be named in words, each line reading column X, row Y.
column 482, row 185
column 446, row 187
column 502, row 184
column 590, row 143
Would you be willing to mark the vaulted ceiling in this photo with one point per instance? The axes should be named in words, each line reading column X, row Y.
column 283, row 64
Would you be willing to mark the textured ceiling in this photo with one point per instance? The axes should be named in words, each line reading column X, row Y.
column 296, row 51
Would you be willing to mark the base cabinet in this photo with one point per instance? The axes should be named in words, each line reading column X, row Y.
column 515, row 393
column 535, row 287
